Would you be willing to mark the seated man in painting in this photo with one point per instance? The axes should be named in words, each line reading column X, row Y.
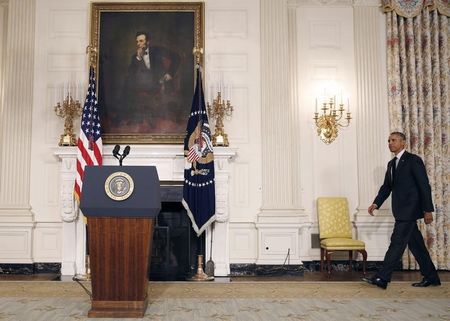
column 151, row 84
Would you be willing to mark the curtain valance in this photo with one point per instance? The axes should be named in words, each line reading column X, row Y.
column 411, row 8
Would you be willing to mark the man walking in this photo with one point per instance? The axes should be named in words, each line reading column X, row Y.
column 407, row 180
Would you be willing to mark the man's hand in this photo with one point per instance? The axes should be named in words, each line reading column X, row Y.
column 372, row 208
column 167, row 77
column 428, row 217
column 140, row 53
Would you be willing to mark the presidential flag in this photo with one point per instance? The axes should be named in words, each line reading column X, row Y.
column 90, row 140
column 199, row 197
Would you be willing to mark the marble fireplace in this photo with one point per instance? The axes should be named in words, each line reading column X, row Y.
column 169, row 162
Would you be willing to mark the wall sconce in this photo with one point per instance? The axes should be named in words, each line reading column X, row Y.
column 330, row 119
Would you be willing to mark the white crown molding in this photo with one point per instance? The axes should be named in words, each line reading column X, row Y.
column 334, row 3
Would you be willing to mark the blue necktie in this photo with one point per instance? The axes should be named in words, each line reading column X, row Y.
column 394, row 165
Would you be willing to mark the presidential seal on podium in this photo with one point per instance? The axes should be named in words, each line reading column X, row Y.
column 119, row 186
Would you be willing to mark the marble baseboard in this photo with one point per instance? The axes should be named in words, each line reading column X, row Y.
column 342, row 265
column 298, row 270
column 266, row 270
column 30, row 269
column 235, row 269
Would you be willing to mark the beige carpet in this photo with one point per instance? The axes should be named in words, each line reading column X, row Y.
column 48, row 301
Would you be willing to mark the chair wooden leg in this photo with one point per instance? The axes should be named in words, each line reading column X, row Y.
column 364, row 254
column 328, row 254
column 322, row 253
column 350, row 259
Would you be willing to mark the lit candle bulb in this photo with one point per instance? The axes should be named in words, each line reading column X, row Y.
column 316, row 105
column 348, row 104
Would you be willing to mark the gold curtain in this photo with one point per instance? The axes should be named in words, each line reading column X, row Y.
column 418, row 59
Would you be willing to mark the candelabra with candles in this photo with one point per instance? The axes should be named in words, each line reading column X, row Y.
column 68, row 109
column 218, row 110
column 329, row 121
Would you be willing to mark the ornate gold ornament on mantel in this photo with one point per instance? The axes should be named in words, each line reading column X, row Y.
column 329, row 120
column 68, row 109
column 218, row 110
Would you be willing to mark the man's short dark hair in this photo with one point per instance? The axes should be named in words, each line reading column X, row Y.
column 400, row 134
column 147, row 37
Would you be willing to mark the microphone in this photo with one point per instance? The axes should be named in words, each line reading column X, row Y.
column 115, row 151
column 119, row 156
column 126, row 151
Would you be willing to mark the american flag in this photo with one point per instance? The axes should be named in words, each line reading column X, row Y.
column 90, row 140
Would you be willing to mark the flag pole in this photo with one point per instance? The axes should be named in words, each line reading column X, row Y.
column 86, row 276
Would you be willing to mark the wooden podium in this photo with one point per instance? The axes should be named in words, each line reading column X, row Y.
column 120, row 227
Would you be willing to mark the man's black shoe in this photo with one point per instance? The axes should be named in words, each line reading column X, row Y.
column 379, row 282
column 425, row 282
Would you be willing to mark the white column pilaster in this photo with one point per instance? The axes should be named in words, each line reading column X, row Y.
column 372, row 126
column 276, row 112
column 280, row 218
column 15, row 120
column 16, row 218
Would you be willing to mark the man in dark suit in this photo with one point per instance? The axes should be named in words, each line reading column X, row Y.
column 407, row 180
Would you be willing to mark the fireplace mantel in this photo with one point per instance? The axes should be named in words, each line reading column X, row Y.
column 169, row 162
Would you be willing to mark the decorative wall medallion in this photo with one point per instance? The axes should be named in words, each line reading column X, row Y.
column 119, row 186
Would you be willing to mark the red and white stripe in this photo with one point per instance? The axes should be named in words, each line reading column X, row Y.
column 193, row 154
column 86, row 156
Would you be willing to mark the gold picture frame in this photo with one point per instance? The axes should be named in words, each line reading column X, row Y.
column 145, row 100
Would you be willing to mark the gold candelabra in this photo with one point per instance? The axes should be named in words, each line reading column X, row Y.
column 329, row 120
column 218, row 110
column 68, row 109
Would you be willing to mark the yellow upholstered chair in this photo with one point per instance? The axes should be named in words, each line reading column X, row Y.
column 335, row 231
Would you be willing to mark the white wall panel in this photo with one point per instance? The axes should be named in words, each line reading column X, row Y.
column 227, row 23
column 60, row 44
column 67, row 23
column 325, row 55
column 47, row 242
column 325, row 34
column 52, row 178
column 45, row 191
column 16, row 243
column 54, row 126
column 228, row 62
column 324, row 71
column 240, row 123
column 243, row 243
column 66, row 62
column 240, row 195
column 232, row 53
